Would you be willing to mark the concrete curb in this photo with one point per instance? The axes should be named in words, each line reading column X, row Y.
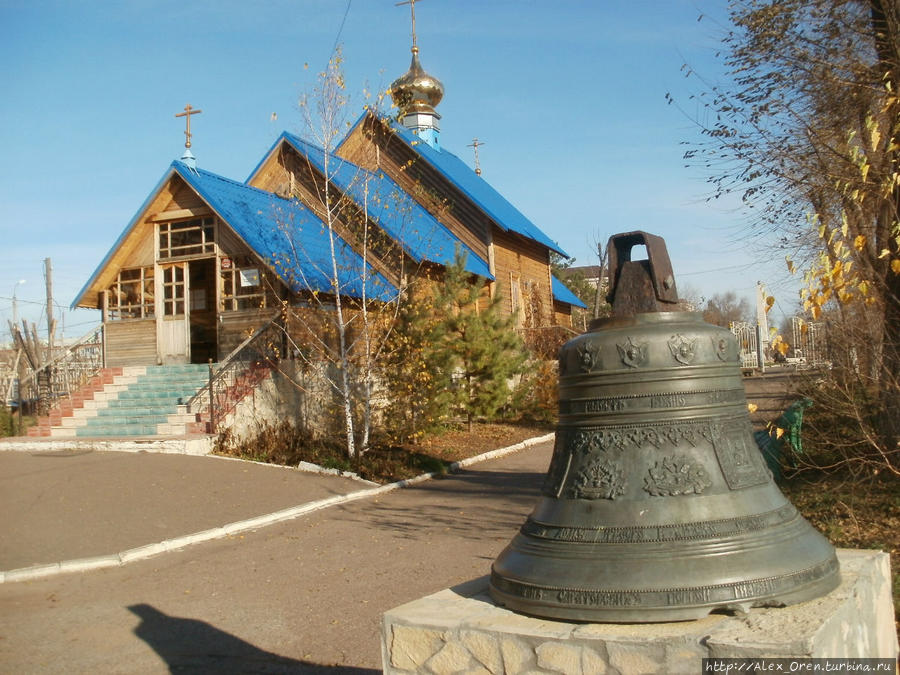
column 198, row 444
column 231, row 529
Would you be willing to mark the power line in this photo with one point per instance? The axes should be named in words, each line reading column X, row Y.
column 337, row 38
column 719, row 269
column 20, row 300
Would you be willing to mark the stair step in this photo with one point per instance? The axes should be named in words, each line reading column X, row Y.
column 118, row 430
column 140, row 401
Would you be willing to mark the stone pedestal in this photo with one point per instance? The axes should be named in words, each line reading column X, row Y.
column 461, row 630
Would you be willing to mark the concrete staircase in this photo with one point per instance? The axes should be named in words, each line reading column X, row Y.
column 130, row 401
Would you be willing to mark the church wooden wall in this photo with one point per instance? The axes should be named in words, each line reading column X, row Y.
column 562, row 314
column 182, row 197
column 130, row 342
column 229, row 244
column 235, row 327
column 273, row 177
column 518, row 258
column 143, row 253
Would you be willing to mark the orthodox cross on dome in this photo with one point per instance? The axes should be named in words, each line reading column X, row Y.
column 474, row 145
column 188, row 111
column 412, row 9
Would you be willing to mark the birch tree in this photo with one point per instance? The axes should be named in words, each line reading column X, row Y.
column 351, row 321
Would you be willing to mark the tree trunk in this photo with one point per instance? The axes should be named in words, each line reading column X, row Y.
column 886, row 33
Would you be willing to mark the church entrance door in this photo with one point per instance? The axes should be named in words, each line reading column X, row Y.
column 172, row 334
column 202, row 310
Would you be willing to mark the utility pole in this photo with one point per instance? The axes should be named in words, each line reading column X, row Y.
column 51, row 322
column 15, row 314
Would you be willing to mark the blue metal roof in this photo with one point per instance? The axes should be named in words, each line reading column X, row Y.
column 407, row 222
column 284, row 233
column 505, row 215
column 288, row 236
column 561, row 293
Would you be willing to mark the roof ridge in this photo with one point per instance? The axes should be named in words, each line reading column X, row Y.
column 299, row 139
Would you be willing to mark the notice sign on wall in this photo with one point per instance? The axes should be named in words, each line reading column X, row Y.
column 249, row 277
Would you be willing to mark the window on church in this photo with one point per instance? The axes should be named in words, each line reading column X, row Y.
column 173, row 290
column 131, row 296
column 187, row 237
column 244, row 286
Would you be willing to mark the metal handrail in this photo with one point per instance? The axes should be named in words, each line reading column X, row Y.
column 215, row 396
column 70, row 370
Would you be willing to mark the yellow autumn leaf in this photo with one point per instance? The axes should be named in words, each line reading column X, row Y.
column 875, row 135
column 752, row 407
column 837, row 271
column 769, row 302
column 895, row 266
column 864, row 287
column 859, row 242
column 790, row 264
column 779, row 432
column 884, row 253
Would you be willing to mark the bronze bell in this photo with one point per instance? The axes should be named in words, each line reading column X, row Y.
column 658, row 505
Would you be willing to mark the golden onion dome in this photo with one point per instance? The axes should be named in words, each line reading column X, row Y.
column 416, row 90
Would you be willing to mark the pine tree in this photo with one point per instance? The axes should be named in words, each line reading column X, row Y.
column 483, row 346
column 417, row 370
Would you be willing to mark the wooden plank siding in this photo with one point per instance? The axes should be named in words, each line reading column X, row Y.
column 272, row 176
column 562, row 314
column 183, row 198
column 235, row 327
column 228, row 243
column 517, row 258
column 130, row 343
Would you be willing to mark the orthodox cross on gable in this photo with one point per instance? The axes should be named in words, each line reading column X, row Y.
column 474, row 145
column 188, row 111
column 412, row 9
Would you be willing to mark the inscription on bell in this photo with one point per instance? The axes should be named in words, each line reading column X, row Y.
column 656, row 401
column 688, row 596
column 599, row 598
column 727, row 527
column 753, row 589
column 604, row 405
column 668, row 401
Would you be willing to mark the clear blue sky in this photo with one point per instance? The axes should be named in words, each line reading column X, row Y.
column 568, row 97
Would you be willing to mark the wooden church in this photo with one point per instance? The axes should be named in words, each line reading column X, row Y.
column 207, row 259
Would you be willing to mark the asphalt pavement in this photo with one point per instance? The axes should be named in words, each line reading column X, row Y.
column 302, row 595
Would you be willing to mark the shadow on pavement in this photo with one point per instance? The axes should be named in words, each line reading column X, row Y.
column 477, row 504
column 192, row 646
